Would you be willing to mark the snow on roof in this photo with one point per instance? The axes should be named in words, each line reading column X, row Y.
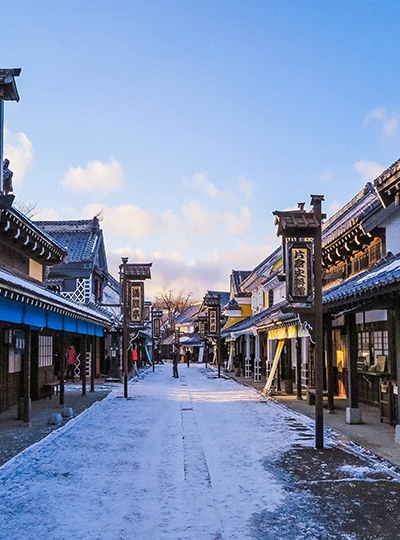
column 10, row 284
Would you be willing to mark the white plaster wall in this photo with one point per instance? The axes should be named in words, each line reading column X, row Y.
column 393, row 235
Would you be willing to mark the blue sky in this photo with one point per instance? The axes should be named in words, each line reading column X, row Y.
column 187, row 123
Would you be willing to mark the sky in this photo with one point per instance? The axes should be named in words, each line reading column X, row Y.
column 190, row 458
column 187, row 123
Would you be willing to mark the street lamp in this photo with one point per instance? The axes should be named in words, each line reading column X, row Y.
column 8, row 92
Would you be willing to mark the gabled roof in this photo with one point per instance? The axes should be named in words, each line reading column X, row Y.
column 186, row 316
column 264, row 270
column 237, row 277
column 82, row 238
column 224, row 297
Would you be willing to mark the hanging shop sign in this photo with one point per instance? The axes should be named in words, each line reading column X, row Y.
column 298, row 271
column 213, row 320
column 135, row 302
column 202, row 329
column 156, row 327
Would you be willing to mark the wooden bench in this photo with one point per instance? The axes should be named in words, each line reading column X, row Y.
column 49, row 388
column 311, row 395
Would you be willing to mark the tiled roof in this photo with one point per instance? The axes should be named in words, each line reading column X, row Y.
column 263, row 270
column 187, row 315
column 224, row 296
column 268, row 316
column 79, row 237
column 237, row 278
column 363, row 205
column 378, row 279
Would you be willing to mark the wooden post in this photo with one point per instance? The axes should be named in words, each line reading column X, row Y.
column 353, row 413
column 319, row 360
column 125, row 337
column 298, row 367
column 94, row 363
column 62, row 369
column 83, row 347
column 329, row 359
column 26, row 377
column 396, row 318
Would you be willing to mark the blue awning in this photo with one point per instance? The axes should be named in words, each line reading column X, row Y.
column 34, row 316
column 11, row 311
column 15, row 312
column 54, row 320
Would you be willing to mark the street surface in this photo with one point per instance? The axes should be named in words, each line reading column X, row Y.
column 190, row 459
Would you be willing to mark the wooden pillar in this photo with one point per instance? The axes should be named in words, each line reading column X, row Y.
column 83, row 348
column 94, row 363
column 26, row 377
column 257, row 359
column 329, row 360
column 353, row 413
column 319, row 357
column 247, row 371
column 298, row 367
column 62, row 369
column 396, row 317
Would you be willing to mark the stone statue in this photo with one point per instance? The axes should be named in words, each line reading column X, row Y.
column 7, row 178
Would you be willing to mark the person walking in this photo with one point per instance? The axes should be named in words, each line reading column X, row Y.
column 135, row 361
column 71, row 362
column 175, row 362
column 187, row 357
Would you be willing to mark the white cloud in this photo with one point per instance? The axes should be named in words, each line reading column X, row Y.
column 127, row 220
column 246, row 186
column 170, row 270
column 18, row 149
column 98, row 176
column 369, row 170
column 206, row 222
column 199, row 220
column 201, row 183
column 389, row 119
column 236, row 225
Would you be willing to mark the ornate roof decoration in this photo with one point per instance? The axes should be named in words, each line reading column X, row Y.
column 22, row 234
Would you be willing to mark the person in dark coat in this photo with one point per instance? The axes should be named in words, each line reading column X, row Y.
column 175, row 362
column 187, row 357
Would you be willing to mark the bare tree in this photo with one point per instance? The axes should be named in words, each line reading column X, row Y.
column 170, row 300
column 29, row 210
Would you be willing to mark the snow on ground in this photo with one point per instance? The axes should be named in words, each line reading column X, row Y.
column 181, row 459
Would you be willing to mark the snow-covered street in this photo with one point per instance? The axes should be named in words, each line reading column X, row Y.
column 194, row 458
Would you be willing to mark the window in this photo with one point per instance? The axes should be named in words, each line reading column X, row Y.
column 45, row 351
column 270, row 298
column 14, row 361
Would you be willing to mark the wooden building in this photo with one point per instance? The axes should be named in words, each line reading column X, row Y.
column 36, row 324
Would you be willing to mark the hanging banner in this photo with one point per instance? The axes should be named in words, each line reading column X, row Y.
column 135, row 302
column 298, row 271
column 202, row 329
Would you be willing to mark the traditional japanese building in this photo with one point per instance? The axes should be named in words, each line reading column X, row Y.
column 36, row 324
column 361, row 298
column 83, row 276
